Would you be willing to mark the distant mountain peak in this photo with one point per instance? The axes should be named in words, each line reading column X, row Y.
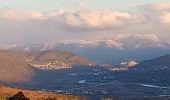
column 141, row 41
column 108, row 49
column 122, row 41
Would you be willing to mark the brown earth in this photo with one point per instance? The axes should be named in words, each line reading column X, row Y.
column 35, row 95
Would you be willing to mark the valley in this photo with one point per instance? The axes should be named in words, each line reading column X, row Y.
column 68, row 73
column 148, row 78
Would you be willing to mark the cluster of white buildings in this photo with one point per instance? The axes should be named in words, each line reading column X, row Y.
column 129, row 63
column 123, row 65
column 51, row 65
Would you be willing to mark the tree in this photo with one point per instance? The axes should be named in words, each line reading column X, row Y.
column 18, row 96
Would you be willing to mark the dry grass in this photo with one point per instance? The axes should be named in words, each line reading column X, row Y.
column 35, row 95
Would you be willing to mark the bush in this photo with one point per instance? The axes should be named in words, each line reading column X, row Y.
column 18, row 96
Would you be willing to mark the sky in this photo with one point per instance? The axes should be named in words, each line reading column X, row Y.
column 32, row 21
column 48, row 5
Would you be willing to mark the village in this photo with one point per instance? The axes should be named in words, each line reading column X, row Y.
column 55, row 65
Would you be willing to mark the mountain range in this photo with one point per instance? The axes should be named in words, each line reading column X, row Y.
column 110, row 50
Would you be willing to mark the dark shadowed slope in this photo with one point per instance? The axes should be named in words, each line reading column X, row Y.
column 156, row 62
column 155, row 72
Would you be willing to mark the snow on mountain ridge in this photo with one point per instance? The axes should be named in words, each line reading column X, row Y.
column 123, row 41
column 141, row 41
column 107, row 43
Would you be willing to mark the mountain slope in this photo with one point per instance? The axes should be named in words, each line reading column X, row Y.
column 162, row 61
column 135, row 41
column 35, row 95
column 18, row 67
column 153, row 72
column 14, row 68
column 64, row 56
column 123, row 41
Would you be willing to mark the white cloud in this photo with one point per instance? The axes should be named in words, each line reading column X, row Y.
column 24, row 26
column 18, row 14
column 97, row 19
column 103, row 19
column 166, row 17
column 93, row 19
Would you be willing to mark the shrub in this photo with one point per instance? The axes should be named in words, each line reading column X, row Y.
column 18, row 96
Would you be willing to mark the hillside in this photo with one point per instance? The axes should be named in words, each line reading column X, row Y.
column 18, row 66
column 154, row 72
column 35, row 95
column 14, row 68
column 162, row 61
column 63, row 56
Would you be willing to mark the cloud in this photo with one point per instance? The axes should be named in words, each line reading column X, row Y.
column 98, row 19
column 18, row 14
column 93, row 19
column 166, row 17
column 17, row 25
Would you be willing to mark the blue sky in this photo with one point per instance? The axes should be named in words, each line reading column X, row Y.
column 47, row 5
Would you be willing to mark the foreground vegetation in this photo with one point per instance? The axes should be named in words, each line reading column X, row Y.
column 6, row 92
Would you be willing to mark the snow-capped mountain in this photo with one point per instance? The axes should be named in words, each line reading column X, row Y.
column 106, row 50
column 141, row 41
